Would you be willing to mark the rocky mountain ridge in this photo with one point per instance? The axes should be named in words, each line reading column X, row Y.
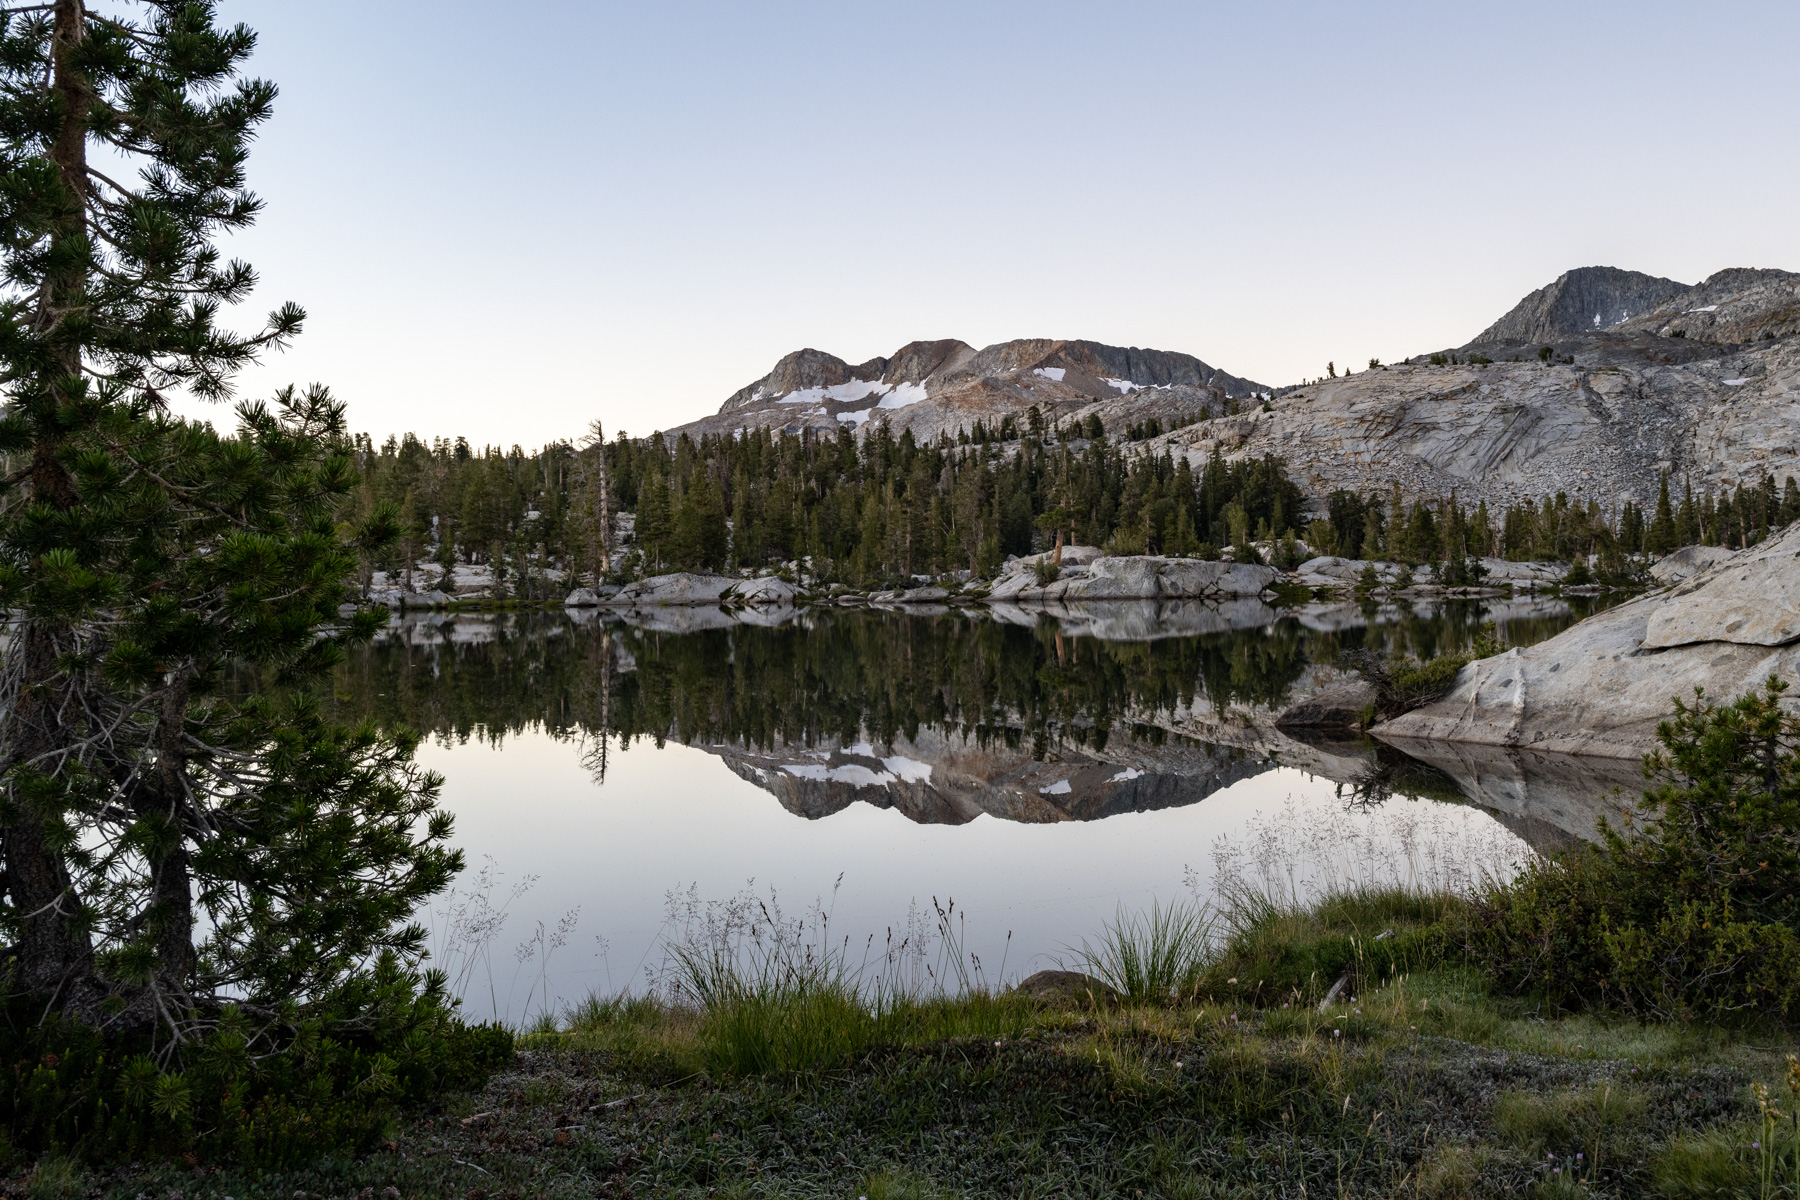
column 1703, row 384
column 1592, row 385
column 943, row 386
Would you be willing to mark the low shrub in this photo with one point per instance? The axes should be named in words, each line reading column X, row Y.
column 1275, row 951
column 265, row 1089
column 1694, row 912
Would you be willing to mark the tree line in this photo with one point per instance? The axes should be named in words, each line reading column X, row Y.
column 868, row 510
column 882, row 510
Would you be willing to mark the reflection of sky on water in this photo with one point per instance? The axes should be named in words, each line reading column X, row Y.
column 678, row 816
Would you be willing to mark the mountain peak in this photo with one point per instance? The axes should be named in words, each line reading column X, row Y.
column 1585, row 300
column 939, row 386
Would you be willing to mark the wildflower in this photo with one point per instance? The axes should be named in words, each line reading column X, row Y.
column 1178, row 1064
column 1756, row 1145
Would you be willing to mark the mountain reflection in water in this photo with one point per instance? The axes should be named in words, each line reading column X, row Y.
column 1064, row 713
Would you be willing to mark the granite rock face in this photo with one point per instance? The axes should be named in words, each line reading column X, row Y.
column 1138, row 577
column 766, row 591
column 1602, row 686
column 1603, row 428
column 1750, row 599
column 1689, row 560
column 681, row 588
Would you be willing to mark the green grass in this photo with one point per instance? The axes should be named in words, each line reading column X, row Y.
column 792, row 1076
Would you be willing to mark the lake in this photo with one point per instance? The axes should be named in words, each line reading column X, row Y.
column 1013, row 776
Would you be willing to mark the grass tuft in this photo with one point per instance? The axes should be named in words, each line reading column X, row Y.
column 1157, row 957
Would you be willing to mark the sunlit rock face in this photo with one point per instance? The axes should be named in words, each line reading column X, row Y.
column 1638, row 375
column 1602, row 686
column 943, row 386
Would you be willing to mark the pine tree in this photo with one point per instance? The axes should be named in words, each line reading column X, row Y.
column 1687, row 517
column 1660, row 540
column 141, row 554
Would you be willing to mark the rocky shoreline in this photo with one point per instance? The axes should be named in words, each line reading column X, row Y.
column 1601, row 687
column 1076, row 574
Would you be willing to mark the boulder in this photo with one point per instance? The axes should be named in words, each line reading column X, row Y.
column 1141, row 577
column 768, row 591
column 923, row 595
column 1500, row 570
column 1065, row 987
column 1689, row 560
column 1342, row 707
column 679, row 588
column 581, row 598
column 1332, row 572
column 1601, row 686
column 431, row 599
column 1751, row 599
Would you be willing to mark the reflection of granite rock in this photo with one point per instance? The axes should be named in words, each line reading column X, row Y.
column 1140, row 620
column 1566, row 792
column 941, row 778
column 1340, row 708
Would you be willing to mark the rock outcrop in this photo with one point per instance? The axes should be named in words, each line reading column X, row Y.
column 1689, row 560
column 1136, row 577
column 680, row 588
column 1602, row 686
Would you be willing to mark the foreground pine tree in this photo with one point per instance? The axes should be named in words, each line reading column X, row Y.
column 184, row 867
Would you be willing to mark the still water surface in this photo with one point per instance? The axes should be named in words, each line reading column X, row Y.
column 1038, row 769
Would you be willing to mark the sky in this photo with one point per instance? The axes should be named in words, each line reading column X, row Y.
column 506, row 221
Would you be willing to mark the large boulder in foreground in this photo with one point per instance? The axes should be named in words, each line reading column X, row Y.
column 1601, row 687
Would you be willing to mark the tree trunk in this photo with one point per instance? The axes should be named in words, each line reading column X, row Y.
column 172, row 894
column 55, row 954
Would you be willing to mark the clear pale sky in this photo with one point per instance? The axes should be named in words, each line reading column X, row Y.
column 506, row 220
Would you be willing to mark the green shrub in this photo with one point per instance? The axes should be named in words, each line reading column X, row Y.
column 328, row 1085
column 1047, row 572
column 1692, row 914
column 1288, row 554
column 1403, row 684
column 1276, row 950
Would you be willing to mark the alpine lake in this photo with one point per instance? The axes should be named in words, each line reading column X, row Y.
column 997, row 781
